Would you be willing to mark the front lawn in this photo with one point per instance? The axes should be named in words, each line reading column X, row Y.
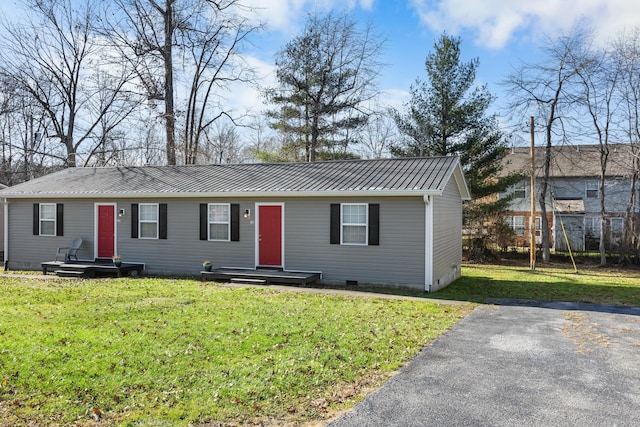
column 173, row 352
column 556, row 282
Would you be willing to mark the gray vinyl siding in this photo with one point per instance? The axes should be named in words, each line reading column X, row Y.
column 616, row 194
column 447, row 238
column 397, row 261
column 28, row 251
column 181, row 253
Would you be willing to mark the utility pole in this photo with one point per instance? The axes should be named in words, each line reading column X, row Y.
column 532, row 218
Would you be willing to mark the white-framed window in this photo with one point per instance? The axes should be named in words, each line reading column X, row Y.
column 148, row 221
column 538, row 223
column 354, row 223
column 48, row 219
column 519, row 191
column 592, row 225
column 617, row 226
column 517, row 223
column 219, row 221
column 591, row 189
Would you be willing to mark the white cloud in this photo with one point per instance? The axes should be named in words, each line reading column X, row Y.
column 287, row 15
column 247, row 98
column 395, row 98
column 495, row 22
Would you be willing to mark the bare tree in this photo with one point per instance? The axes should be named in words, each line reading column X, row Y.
column 213, row 51
column 23, row 122
column 49, row 55
column 223, row 145
column 198, row 41
column 626, row 54
column 598, row 76
column 262, row 141
column 378, row 135
column 144, row 31
column 544, row 90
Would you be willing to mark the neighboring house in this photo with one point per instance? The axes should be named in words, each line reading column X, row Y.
column 574, row 196
column 393, row 222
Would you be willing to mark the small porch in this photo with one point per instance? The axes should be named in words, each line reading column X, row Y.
column 92, row 268
column 261, row 276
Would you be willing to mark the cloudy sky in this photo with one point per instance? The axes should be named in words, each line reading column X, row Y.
column 502, row 33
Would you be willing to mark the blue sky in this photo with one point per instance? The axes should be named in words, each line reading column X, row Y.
column 501, row 33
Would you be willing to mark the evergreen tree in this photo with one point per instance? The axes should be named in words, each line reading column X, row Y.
column 325, row 75
column 447, row 115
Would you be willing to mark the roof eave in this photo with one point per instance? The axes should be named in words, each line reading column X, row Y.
column 227, row 194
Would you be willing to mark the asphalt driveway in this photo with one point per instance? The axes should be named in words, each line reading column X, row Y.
column 513, row 365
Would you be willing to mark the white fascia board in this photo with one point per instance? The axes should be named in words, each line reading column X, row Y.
column 461, row 182
column 229, row 194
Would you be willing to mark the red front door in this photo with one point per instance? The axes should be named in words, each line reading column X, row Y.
column 270, row 236
column 106, row 231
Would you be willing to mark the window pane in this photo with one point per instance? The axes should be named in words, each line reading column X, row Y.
column 592, row 189
column 592, row 225
column 148, row 212
column 149, row 230
column 354, row 214
column 519, row 191
column 617, row 225
column 517, row 223
column 218, row 213
column 218, row 232
column 47, row 228
column 354, row 234
column 48, row 211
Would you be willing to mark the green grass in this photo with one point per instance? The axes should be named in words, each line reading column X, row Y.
column 139, row 352
column 555, row 282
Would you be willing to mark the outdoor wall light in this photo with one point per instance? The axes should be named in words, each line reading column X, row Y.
column 247, row 213
column 120, row 213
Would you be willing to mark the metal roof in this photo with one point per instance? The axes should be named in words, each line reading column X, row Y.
column 571, row 160
column 425, row 175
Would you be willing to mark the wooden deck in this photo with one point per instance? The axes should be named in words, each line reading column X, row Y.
column 91, row 269
column 261, row 276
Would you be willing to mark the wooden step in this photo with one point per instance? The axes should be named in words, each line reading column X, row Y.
column 69, row 273
column 248, row 281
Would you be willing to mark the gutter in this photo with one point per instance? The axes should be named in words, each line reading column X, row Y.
column 227, row 194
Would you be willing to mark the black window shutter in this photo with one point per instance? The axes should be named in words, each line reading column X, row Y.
column 374, row 224
column 335, row 224
column 162, row 216
column 204, row 221
column 36, row 219
column 59, row 219
column 235, row 222
column 134, row 220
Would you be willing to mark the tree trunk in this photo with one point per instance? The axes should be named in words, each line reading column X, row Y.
column 315, row 132
column 170, row 117
column 604, row 154
column 629, row 220
column 544, row 189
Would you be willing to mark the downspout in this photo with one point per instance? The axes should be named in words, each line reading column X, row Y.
column 428, row 243
column 5, row 206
